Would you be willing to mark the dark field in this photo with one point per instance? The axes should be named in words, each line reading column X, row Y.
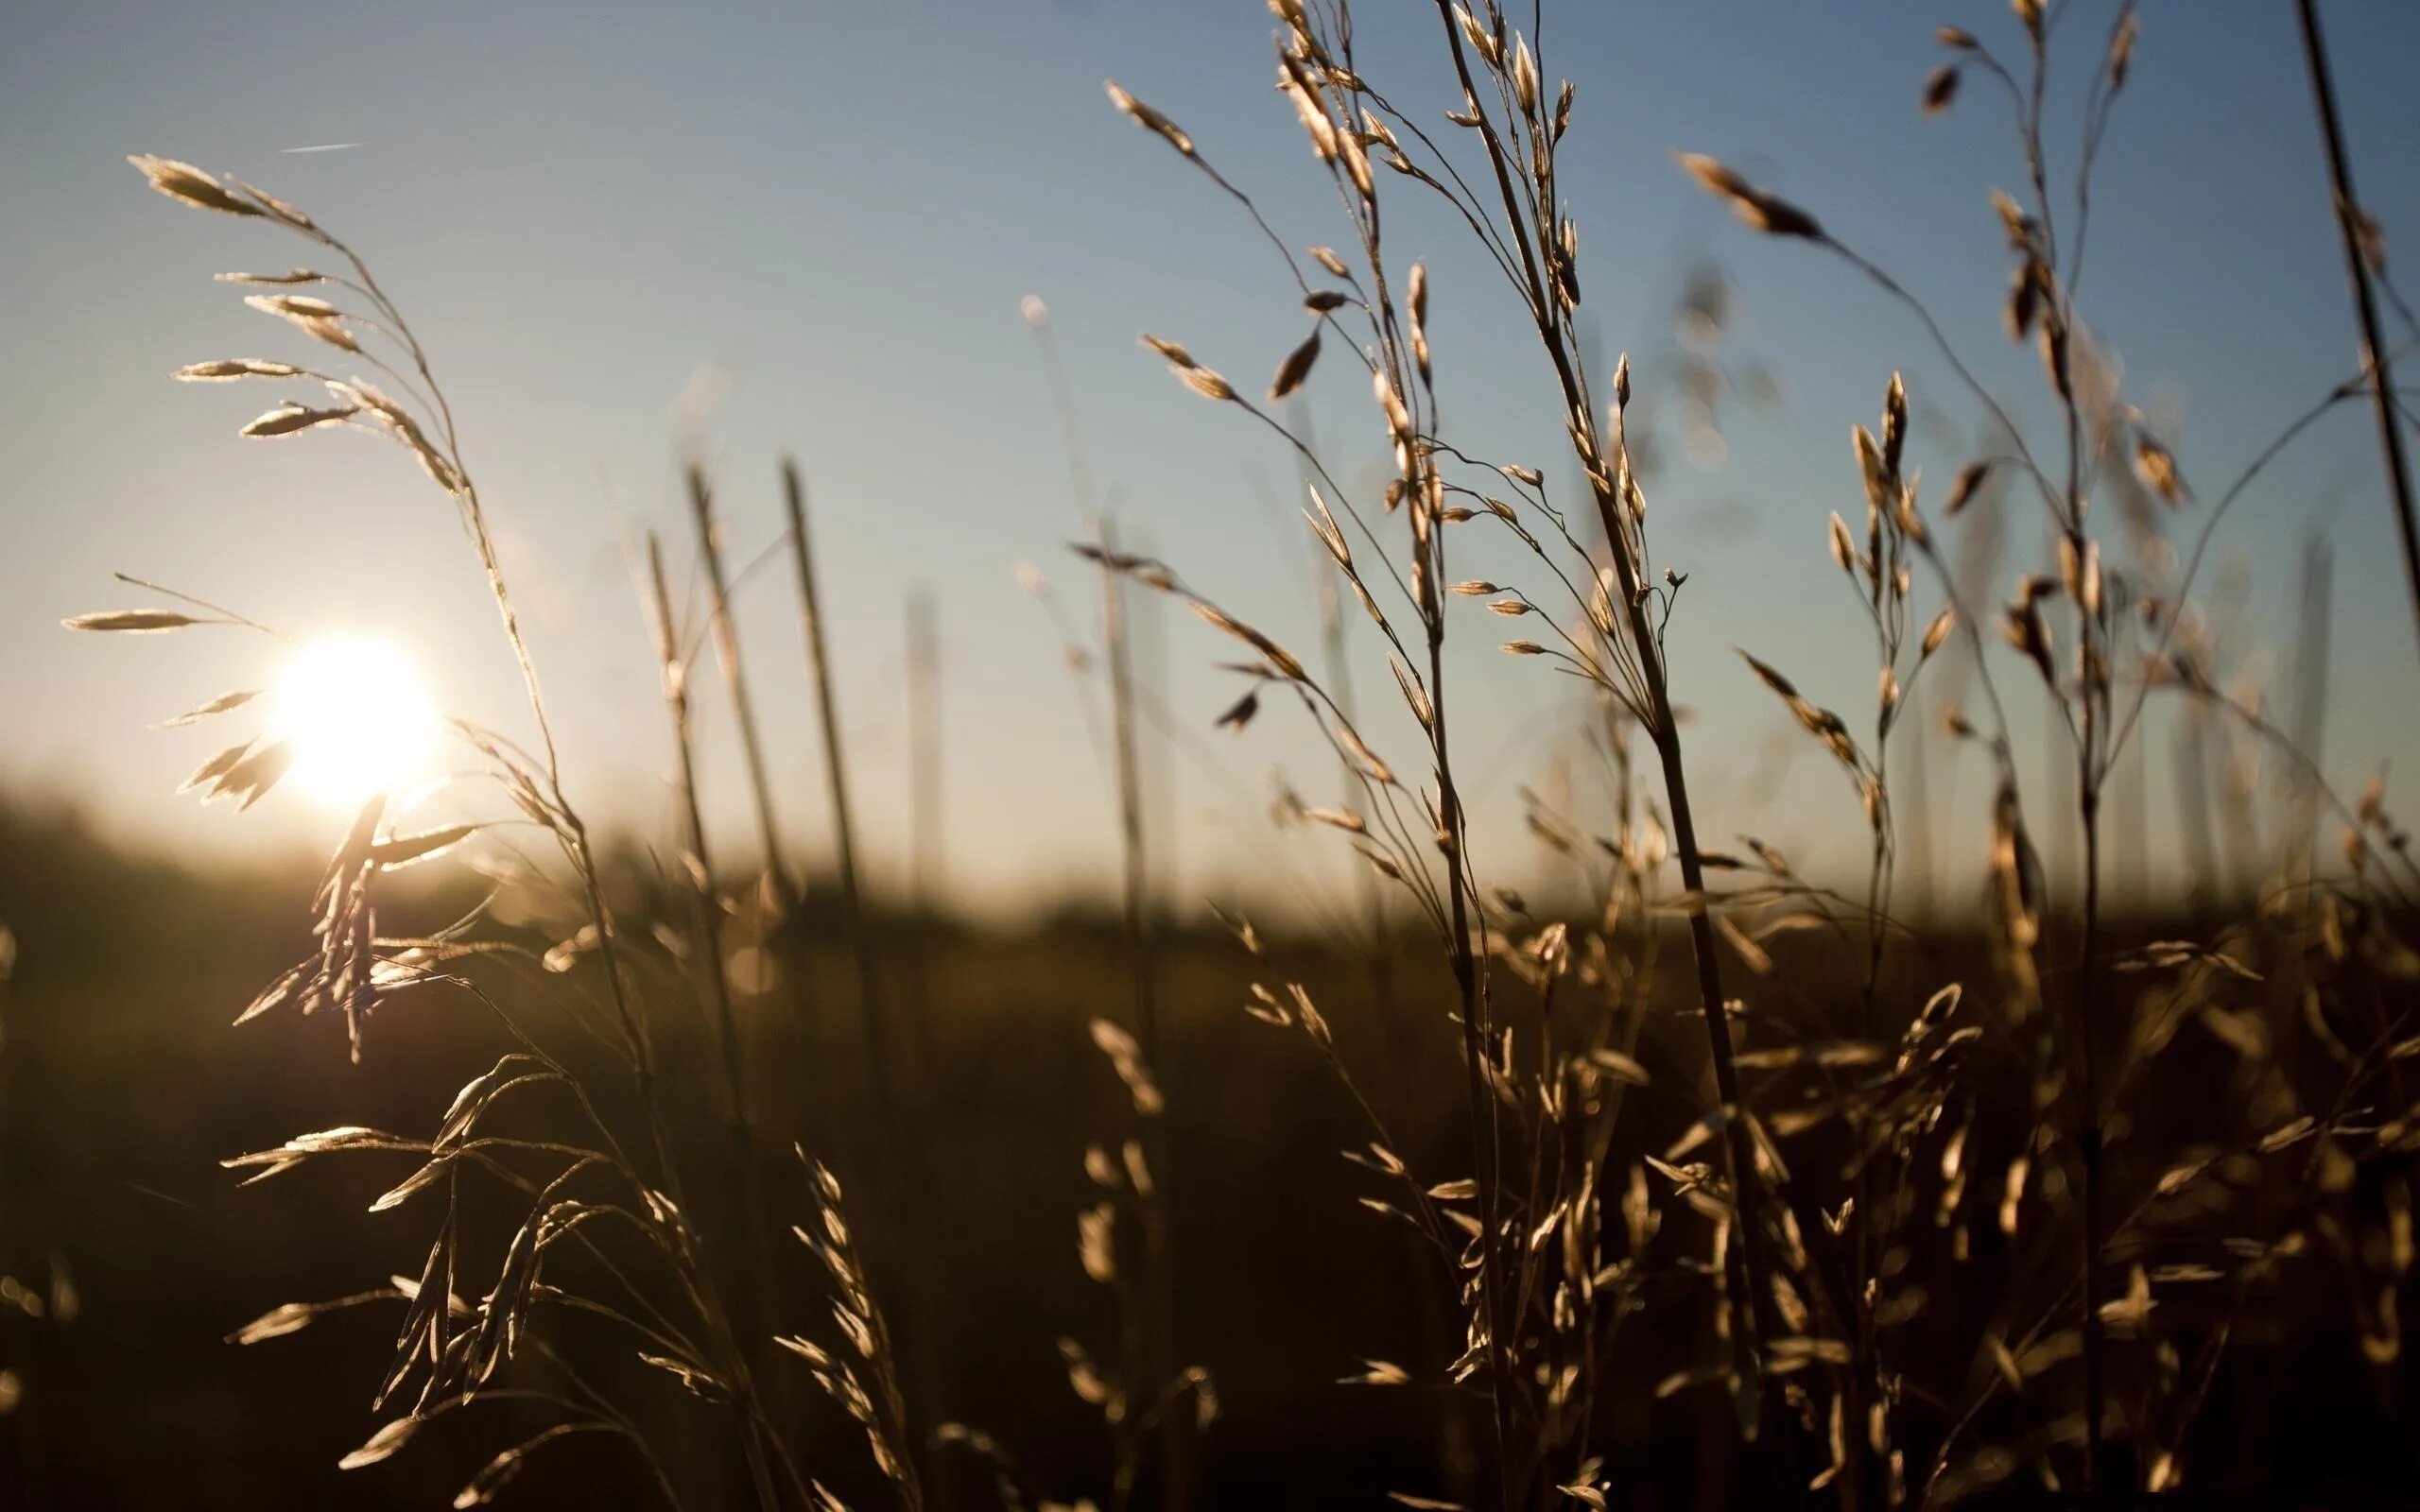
column 125, row 1087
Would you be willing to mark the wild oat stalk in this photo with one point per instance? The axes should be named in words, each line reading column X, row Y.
column 1157, row 1347
column 583, row 1191
column 780, row 897
column 2364, row 259
column 1526, row 233
column 2118, row 620
column 871, row 1004
column 1878, row 569
column 2042, row 301
column 908, row 1170
column 882, row 1411
column 745, row 1196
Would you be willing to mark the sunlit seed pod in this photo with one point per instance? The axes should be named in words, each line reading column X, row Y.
column 1961, row 491
column 2056, row 370
column 1754, row 207
column 1150, row 119
column 1911, row 523
column 1344, row 819
column 1296, row 367
column 291, row 419
column 1398, row 418
column 1311, row 110
column 1938, row 631
column 1205, row 382
column 1895, row 423
column 136, row 621
column 1357, row 165
column 2157, row 467
column 1169, row 350
column 234, row 368
column 1941, row 88
column 2016, row 221
column 188, row 185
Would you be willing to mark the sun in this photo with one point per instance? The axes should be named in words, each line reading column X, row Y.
column 359, row 721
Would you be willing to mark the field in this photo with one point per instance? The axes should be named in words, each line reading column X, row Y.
column 2051, row 1137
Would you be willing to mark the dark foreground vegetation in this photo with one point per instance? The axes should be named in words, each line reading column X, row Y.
column 125, row 1087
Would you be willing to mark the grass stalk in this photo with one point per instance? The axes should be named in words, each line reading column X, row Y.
column 2349, row 221
column 726, row 638
column 836, row 782
column 2088, row 1132
column 1662, row 726
column 1158, row 1333
column 1156, row 1340
column 925, row 817
column 1485, row 1134
column 443, row 457
column 782, row 895
column 910, row 1175
column 745, row 1195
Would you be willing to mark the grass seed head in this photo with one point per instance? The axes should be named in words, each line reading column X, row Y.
column 1150, row 119
column 189, row 185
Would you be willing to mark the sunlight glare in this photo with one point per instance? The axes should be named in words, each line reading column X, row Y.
column 361, row 723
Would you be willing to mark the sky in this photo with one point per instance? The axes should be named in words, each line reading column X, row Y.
column 622, row 230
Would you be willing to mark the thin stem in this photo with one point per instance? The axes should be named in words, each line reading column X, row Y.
column 743, row 710
column 923, row 770
column 1663, row 729
column 1476, row 1049
column 1159, row 1325
column 747, row 1201
column 2357, row 267
column 2209, row 530
column 1949, row 353
column 228, row 614
column 558, row 813
column 844, row 829
column 2088, row 1099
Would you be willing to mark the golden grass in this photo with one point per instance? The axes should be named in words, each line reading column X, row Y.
column 1850, row 1156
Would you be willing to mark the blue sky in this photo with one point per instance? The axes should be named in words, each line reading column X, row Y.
column 826, row 215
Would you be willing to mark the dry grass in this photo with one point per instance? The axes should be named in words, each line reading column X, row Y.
column 1909, row 1236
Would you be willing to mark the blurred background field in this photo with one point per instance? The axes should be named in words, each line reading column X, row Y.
column 125, row 1087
